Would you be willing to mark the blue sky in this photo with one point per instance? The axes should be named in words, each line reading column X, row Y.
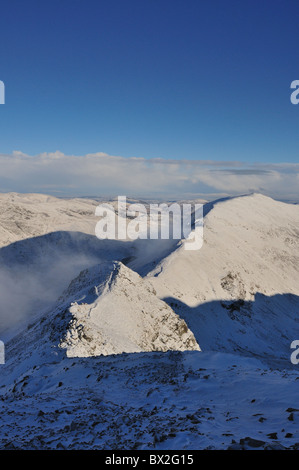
column 170, row 79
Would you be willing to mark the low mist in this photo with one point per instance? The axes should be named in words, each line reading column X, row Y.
column 36, row 271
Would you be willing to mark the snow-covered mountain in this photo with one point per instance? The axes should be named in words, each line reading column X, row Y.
column 45, row 242
column 239, row 292
column 162, row 348
column 116, row 312
column 31, row 215
column 250, row 245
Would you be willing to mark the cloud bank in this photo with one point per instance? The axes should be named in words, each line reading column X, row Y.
column 101, row 174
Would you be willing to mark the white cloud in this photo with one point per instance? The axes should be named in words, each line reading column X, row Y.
column 101, row 174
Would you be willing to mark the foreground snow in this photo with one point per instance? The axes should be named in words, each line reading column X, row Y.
column 173, row 400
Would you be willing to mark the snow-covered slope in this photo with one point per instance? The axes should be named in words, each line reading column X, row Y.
column 156, row 401
column 239, row 292
column 45, row 242
column 250, row 245
column 32, row 215
column 116, row 312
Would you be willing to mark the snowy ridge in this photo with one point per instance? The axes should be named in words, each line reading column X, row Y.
column 30, row 215
column 121, row 314
column 240, row 292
